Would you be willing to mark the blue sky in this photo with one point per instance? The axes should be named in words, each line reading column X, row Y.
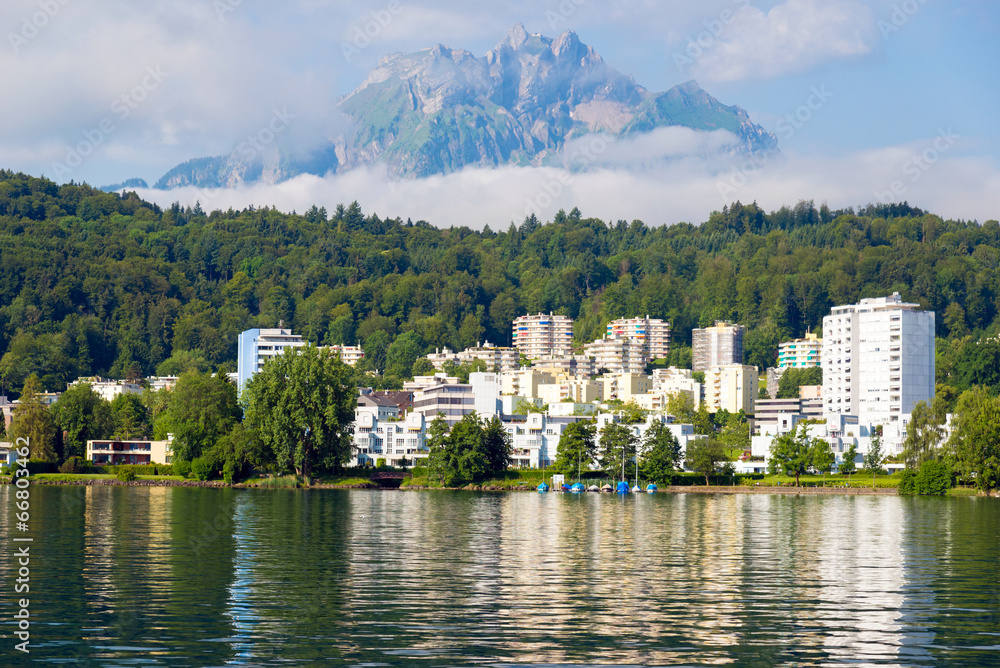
column 142, row 85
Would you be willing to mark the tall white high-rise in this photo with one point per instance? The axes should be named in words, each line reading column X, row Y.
column 878, row 359
column 256, row 346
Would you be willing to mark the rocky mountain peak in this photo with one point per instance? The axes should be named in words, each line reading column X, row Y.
column 515, row 39
column 441, row 109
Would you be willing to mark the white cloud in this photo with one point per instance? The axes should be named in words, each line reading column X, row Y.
column 645, row 150
column 794, row 36
column 686, row 189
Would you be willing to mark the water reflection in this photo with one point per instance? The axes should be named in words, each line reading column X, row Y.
column 267, row 577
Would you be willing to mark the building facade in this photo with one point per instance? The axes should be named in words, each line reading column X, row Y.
column 651, row 333
column 398, row 442
column 677, row 381
column 537, row 336
column 624, row 386
column 349, row 355
column 575, row 365
column 108, row 389
column 617, row 355
column 732, row 388
column 257, row 346
column 567, row 388
column 481, row 395
column 878, row 359
column 496, row 358
column 719, row 345
column 112, row 451
column 801, row 353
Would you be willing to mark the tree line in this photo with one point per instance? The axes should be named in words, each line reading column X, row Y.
column 106, row 284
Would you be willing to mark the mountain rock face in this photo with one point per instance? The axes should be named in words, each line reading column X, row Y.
column 440, row 110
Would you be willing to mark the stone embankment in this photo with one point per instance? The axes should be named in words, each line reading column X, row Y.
column 132, row 483
column 746, row 489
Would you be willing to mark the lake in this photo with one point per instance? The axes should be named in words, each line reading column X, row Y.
column 126, row 576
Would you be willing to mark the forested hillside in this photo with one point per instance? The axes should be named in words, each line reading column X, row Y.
column 99, row 283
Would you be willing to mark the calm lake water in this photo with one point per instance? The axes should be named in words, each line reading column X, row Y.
column 207, row 577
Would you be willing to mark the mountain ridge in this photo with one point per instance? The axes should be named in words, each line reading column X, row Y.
column 440, row 110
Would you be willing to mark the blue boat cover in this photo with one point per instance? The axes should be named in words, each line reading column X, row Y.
column 622, row 488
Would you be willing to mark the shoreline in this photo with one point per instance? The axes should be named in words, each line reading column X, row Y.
column 685, row 489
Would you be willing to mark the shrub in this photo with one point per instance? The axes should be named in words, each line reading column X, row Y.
column 164, row 469
column 201, row 468
column 933, row 478
column 181, row 468
column 76, row 465
column 908, row 483
column 125, row 474
column 228, row 471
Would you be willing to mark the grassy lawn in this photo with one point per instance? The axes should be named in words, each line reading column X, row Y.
column 341, row 480
column 858, row 480
column 77, row 477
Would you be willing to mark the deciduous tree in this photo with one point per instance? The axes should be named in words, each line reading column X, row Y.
column 661, row 453
column 301, row 407
column 201, row 409
column 33, row 421
column 706, row 456
column 577, row 447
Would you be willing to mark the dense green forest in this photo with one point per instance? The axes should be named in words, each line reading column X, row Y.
column 103, row 283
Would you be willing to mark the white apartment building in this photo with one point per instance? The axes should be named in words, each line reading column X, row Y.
column 398, row 442
column 108, row 389
column 455, row 401
column 801, row 353
column 878, row 359
column 423, row 382
column 677, row 381
column 257, row 346
column 617, row 355
column 535, row 439
column 732, row 387
column 380, row 407
column 349, row 355
column 157, row 383
column 719, row 345
column 653, row 334
column 497, row 358
column 537, row 336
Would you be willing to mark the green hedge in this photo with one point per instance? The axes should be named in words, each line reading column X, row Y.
column 140, row 469
column 36, row 466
